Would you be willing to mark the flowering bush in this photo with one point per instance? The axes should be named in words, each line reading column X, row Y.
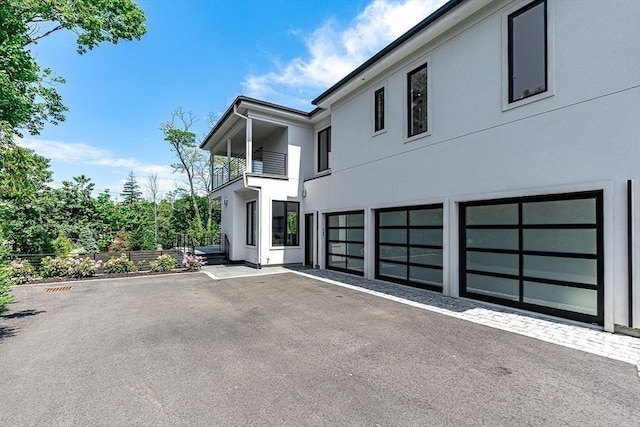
column 20, row 272
column 83, row 267
column 54, row 267
column 163, row 263
column 120, row 264
column 193, row 262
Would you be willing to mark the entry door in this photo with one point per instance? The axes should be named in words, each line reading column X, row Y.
column 308, row 239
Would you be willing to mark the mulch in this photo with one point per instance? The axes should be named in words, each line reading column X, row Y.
column 102, row 276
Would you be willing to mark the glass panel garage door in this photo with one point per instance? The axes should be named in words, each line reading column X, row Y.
column 409, row 246
column 345, row 242
column 541, row 253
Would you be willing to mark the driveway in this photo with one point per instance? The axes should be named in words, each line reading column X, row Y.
column 283, row 350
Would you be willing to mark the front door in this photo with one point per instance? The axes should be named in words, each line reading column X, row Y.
column 308, row 240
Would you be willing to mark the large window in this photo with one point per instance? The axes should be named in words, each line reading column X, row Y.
column 417, row 101
column 345, row 242
column 324, row 148
column 285, row 223
column 541, row 253
column 252, row 223
column 527, row 54
column 409, row 246
column 378, row 110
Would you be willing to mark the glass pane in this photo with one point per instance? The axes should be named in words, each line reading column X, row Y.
column 293, row 224
column 567, row 269
column 355, row 235
column 492, row 215
column 528, row 52
column 338, row 234
column 355, row 264
column 393, row 270
column 425, row 256
column 338, row 248
column 581, row 211
column 278, row 223
column 574, row 241
column 393, row 218
column 493, row 286
column 430, row 276
column 492, row 239
column 393, row 253
column 393, row 236
column 418, row 101
column 379, row 110
column 493, row 263
column 425, row 237
column 355, row 220
column 425, row 217
column 562, row 297
column 355, row 249
column 337, row 220
column 337, row 261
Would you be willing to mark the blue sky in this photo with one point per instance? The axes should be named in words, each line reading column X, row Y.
column 200, row 55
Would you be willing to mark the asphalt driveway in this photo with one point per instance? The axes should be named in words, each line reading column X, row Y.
column 283, row 350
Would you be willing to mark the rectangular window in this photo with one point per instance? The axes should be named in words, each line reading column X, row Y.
column 324, row 148
column 252, row 223
column 527, row 51
column 285, row 223
column 378, row 110
column 417, row 101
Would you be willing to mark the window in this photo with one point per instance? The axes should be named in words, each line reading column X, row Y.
column 345, row 242
column 285, row 223
column 252, row 223
column 378, row 110
column 527, row 55
column 324, row 148
column 417, row 101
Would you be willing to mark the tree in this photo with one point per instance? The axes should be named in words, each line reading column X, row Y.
column 29, row 97
column 131, row 190
column 153, row 191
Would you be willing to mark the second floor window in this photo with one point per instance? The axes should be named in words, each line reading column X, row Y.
column 324, row 148
column 378, row 110
column 417, row 101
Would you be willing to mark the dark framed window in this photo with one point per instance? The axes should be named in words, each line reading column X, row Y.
column 527, row 54
column 345, row 242
column 252, row 223
column 378, row 110
column 285, row 223
column 409, row 246
column 324, row 148
column 417, row 101
column 540, row 253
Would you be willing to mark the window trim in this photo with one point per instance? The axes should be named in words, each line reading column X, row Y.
column 374, row 100
column 286, row 212
column 251, row 230
column 414, row 66
column 521, row 7
column 318, row 150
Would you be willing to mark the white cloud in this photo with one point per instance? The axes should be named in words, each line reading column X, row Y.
column 332, row 53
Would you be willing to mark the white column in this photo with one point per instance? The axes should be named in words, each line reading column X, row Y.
column 249, row 148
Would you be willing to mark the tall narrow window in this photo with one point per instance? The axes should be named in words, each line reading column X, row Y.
column 528, row 51
column 285, row 223
column 252, row 223
column 417, row 100
column 378, row 110
column 324, row 148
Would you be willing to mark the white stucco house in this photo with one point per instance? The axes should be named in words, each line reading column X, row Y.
column 492, row 152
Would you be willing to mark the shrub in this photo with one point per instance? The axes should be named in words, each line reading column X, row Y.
column 83, row 267
column 163, row 263
column 19, row 271
column 193, row 262
column 54, row 267
column 5, row 287
column 119, row 264
column 120, row 242
column 62, row 246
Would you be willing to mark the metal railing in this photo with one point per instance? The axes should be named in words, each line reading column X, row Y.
column 263, row 163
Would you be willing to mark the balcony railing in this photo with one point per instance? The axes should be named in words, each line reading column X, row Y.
column 263, row 163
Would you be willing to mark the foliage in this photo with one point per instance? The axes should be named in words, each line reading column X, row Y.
column 5, row 287
column 120, row 264
column 193, row 262
column 131, row 190
column 83, row 267
column 163, row 263
column 86, row 243
column 54, row 267
column 20, row 271
column 120, row 242
column 62, row 246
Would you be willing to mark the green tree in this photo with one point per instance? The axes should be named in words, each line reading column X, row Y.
column 62, row 246
column 131, row 190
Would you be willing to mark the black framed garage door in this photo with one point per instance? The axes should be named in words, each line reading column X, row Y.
column 409, row 246
column 345, row 242
column 542, row 253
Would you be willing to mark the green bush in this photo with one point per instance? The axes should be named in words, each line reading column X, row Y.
column 5, row 287
column 120, row 264
column 54, row 267
column 62, row 246
column 19, row 271
column 163, row 263
column 83, row 267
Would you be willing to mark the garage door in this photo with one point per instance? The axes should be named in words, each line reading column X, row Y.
column 541, row 253
column 345, row 242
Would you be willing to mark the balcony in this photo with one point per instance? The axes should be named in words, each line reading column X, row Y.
column 267, row 163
